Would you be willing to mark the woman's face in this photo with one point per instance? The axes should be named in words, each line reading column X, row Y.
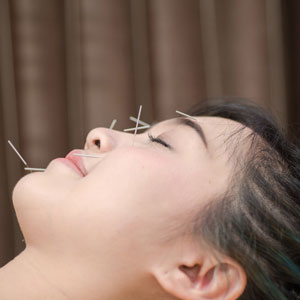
column 134, row 199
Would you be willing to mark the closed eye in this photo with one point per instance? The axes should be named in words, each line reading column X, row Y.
column 158, row 140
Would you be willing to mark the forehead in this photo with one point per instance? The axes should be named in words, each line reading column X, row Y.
column 221, row 134
column 211, row 125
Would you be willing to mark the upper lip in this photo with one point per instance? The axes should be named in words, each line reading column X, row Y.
column 77, row 161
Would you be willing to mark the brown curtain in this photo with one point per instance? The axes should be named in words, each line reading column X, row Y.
column 69, row 66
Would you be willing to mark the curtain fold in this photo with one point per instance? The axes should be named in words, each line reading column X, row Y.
column 69, row 66
column 107, row 72
column 40, row 80
column 243, row 42
column 176, row 55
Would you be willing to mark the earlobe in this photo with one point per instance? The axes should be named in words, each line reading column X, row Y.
column 224, row 280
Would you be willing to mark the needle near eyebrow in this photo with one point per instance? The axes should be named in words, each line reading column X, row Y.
column 181, row 113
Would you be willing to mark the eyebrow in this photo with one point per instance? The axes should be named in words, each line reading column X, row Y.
column 189, row 122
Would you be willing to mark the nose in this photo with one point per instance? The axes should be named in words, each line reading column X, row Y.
column 99, row 140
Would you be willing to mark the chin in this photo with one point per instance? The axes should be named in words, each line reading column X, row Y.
column 23, row 189
column 29, row 207
column 25, row 194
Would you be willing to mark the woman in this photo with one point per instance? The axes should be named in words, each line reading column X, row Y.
column 194, row 209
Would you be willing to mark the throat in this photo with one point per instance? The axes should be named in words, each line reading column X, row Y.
column 21, row 279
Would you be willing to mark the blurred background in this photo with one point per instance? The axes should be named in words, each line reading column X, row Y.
column 67, row 66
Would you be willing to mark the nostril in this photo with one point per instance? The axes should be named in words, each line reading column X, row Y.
column 97, row 143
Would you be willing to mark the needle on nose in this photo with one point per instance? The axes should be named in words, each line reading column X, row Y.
column 141, row 127
column 137, row 123
column 140, row 121
column 113, row 123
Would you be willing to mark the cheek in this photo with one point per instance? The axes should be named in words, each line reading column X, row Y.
column 126, row 192
column 143, row 176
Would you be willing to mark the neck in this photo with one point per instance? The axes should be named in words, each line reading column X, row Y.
column 33, row 276
column 24, row 278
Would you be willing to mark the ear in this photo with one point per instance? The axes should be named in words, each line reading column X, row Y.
column 213, row 279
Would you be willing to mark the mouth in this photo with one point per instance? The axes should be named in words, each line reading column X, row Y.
column 77, row 161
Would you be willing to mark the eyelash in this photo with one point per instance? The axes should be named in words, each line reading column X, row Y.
column 158, row 140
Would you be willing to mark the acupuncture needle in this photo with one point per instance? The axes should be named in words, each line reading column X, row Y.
column 113, row 123
column 138, row 128
column 35, row 169
column 140, row 121
column 181, row 113
column 86, row 155
column 137, row 123
column 20, row 156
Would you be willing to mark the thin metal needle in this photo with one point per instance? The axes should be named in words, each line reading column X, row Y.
column 14, row 148
column 113, row 123
column 181, row 113
column 142, row 127
column 137, row 122
column 86, row 155
column 35, row 169
column 140, row 121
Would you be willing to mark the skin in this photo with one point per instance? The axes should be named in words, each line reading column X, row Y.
column 117, row 232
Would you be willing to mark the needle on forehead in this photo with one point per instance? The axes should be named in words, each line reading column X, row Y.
column 137, row 122
column 181, row 113
column 113, row 123
column 14, row 148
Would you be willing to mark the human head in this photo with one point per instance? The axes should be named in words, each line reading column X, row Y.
column 257, row 220
column 164, row 207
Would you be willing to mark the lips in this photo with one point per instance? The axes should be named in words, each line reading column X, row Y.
column 77, row 161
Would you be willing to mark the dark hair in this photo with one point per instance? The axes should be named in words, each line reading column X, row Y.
column 257, row 221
